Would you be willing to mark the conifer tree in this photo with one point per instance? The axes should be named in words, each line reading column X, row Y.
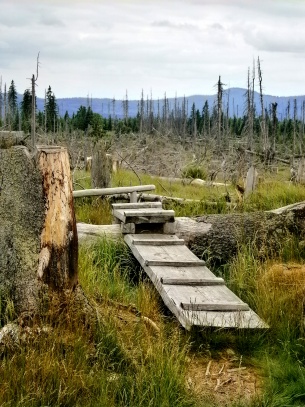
column 51, row 110
column 26, row 110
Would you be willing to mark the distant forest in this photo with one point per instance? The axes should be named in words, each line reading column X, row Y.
column 257, row 122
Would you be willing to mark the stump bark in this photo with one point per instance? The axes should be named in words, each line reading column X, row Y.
column 38, row 235
column 101, row 168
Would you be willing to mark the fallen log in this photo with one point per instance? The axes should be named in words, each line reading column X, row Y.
column 11, row 138
column 218, row 237
column 193, row 181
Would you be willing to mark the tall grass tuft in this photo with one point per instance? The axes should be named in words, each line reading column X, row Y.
column 113, row 360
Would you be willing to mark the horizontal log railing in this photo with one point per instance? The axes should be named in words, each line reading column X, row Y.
column 114, row 191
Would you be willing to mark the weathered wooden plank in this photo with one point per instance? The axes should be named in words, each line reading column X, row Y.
column 168, row 253
column 174, row 295
column 222, row 319
column 194, row 273
column 173, row 263
column 191, row 281
column 159, row 242
column 112, row 191
column 146, row 215
column 219, row 306
column 137, row 205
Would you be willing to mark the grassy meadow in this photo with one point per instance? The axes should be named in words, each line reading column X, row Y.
column 134, row 353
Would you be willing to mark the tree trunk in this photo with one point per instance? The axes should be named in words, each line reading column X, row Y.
column 11, row 138
column 101, row 168
column 38, row 235
column 218, row 237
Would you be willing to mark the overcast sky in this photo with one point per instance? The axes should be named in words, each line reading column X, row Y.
column 103, row 48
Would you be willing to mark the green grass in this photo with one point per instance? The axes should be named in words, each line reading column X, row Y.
column 117, row 359
column 272, row 193
column 114, row 360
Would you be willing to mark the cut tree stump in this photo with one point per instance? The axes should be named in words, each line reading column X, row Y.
column 38, row 235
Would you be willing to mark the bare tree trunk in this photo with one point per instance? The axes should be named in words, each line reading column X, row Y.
column 101, row 168
column 38, row 235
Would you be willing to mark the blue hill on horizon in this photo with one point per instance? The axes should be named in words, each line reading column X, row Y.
column 234, row 98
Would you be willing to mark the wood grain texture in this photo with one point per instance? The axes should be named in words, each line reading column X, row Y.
column 193, row 304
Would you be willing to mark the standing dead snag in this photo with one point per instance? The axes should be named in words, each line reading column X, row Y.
column 101, row 167
column 58, row 256
column 38, row 236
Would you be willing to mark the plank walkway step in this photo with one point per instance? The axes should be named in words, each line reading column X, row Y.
column 188, row 288
column 146, row 215
column 173, row 263
column 137, row 205
column 158, row 242
column 190, row 281
column 219, row 306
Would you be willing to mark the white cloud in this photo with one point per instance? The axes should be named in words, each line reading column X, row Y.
column 175, row 46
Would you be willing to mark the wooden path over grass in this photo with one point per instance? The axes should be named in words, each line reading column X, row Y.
column 188, row 288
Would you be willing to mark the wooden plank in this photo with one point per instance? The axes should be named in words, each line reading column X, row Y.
column 152, row 236
column 145, row 212
column 112, row 191
column 173, row 253
column 173, row 296
column 182, row 273
column 158, row 242
column 173, row 263
column 219, row 306
column 190, row 281
column 148, row 215
column 137, row 205
column 228, row 319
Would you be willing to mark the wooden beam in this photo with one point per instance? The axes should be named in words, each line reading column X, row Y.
column 112, row 191
column 192, row 281
column 148, row 215
column 219, row 306
column 161, row 242
column 173, row 263
column 137, row 205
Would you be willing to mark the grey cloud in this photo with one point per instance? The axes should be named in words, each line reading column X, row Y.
column 178, row 26
column 217, row 26
column 51, row 21
column 281, row 40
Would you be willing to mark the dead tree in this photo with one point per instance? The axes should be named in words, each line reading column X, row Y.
column 101, row 167
column 263, row 126
column 33, row 117
column 219, row 113
column 38, row 235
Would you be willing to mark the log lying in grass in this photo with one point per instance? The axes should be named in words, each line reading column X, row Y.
column 193, row 181
column 218, row 237
column 11, row 138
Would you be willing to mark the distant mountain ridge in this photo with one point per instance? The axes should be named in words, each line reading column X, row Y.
column 234, row 96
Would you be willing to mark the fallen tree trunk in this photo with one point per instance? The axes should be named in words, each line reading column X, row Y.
column 11, row 138
column 218, row 237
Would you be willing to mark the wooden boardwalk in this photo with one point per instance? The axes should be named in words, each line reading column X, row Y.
column 188, row 288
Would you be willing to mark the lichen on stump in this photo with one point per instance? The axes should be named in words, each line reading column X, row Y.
column 38, row 236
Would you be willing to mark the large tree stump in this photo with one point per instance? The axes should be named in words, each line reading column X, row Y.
column 38, row 236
